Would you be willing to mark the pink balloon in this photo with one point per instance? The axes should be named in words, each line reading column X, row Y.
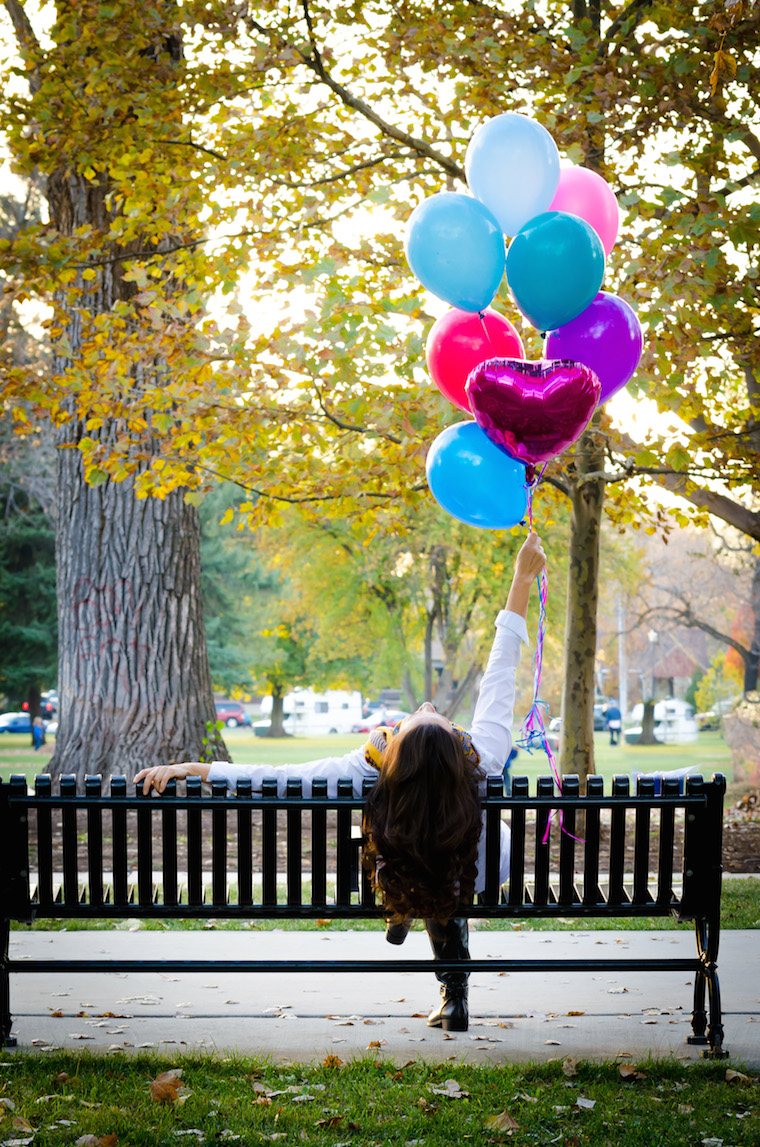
column 459, row 340
column 583, row 192
column 533, row 410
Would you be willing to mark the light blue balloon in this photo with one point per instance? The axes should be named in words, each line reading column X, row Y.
column 456, row 249
column 512, row 165
column 475, row 481
column 555, row 267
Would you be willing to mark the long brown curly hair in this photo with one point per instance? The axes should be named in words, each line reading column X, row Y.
column 422, row 822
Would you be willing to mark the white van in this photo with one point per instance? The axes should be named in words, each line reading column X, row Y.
column 310, row 714
column 674, row 722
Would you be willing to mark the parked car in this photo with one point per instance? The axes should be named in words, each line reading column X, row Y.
column 232, row 713
column 379, row 717
column 15, row 723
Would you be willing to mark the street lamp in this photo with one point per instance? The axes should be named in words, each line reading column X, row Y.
column 654, row 637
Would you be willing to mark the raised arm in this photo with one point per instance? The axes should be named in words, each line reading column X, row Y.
column 494, row 712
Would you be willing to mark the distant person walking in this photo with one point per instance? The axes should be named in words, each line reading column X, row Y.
column 38, row 733
column 614, row 720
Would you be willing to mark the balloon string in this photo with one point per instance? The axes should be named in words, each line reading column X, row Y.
column 482, row 318
column 533, row 728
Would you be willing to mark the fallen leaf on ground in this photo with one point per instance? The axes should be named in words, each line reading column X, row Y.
column 736, row 1076
column 581, row 1101
column 451, row 1089
column 333, row 1121
column 332, row 1061
column 168, row 1087
column 629, row 1072
column 569, row 1067
column 502, row 1122
column 21, row 1124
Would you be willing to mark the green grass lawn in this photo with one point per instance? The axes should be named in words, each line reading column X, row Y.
column 707, row 755
column 62, row 1097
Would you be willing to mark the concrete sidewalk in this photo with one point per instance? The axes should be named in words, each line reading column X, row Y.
column 301, row 1017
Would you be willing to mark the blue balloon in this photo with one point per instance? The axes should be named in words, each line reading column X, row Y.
column 456, row 249
column 475, row 481
column 555, row 267
column 512, row 165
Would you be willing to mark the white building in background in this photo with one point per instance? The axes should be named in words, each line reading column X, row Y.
column 310, row 714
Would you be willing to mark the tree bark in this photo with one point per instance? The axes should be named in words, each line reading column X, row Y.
column 134, row 685
column 587, row 501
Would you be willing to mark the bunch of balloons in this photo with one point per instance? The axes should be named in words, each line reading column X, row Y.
column 562, row 223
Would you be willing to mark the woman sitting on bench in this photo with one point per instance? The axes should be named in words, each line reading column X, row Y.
column 426, row 845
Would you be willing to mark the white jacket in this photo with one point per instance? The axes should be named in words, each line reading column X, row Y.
column 491, row 736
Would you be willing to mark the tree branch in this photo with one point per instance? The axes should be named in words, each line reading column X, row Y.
column 31, row 51
column 314, row 62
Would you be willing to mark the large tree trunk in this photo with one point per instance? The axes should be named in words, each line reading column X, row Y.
column 752, row 662
column 276, row 726
column 587, row 499
column 134, row 685
column 134, row 682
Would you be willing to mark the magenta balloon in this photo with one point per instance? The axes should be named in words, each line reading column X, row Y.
column 605, row 337
column 532, row 410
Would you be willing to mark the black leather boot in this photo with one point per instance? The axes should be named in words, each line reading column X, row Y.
column 397, row 933
column 449, row 942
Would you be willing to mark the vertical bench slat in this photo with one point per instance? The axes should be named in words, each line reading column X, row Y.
column 591, row 892
column 119, row 842
column 269, row 844
column 544, row 788
column 644, row 788
column 169, row 846
column 366, row 894
column 517, row 843
column 616, row 893
column 43, row 788
column 494, row 789
column 343, row 861
column 244, row 847
column 294, row 866
column 194, row 844
column 144, row 848
column 570, row 788
column 92, row 786
column 69, row 843
column 670, row 788
column 219, row 846
column 319, row 845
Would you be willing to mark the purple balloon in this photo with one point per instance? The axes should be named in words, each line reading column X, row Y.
column 532, row 410
column 606, row 337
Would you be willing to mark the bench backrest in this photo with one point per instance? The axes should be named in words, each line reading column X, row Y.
column 92, row 854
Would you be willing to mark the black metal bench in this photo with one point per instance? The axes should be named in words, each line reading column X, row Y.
column 91, row 855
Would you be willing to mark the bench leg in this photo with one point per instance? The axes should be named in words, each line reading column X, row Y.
column 6, row 1020
column 706, row 982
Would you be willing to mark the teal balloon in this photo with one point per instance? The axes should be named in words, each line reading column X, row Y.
column 555, row 267
column 455, row 247
column 475, row 481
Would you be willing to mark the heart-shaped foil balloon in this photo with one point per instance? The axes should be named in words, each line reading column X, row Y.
column 532, row 410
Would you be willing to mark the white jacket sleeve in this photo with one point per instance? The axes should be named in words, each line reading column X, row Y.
column 352, row 766
column 492, row 724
